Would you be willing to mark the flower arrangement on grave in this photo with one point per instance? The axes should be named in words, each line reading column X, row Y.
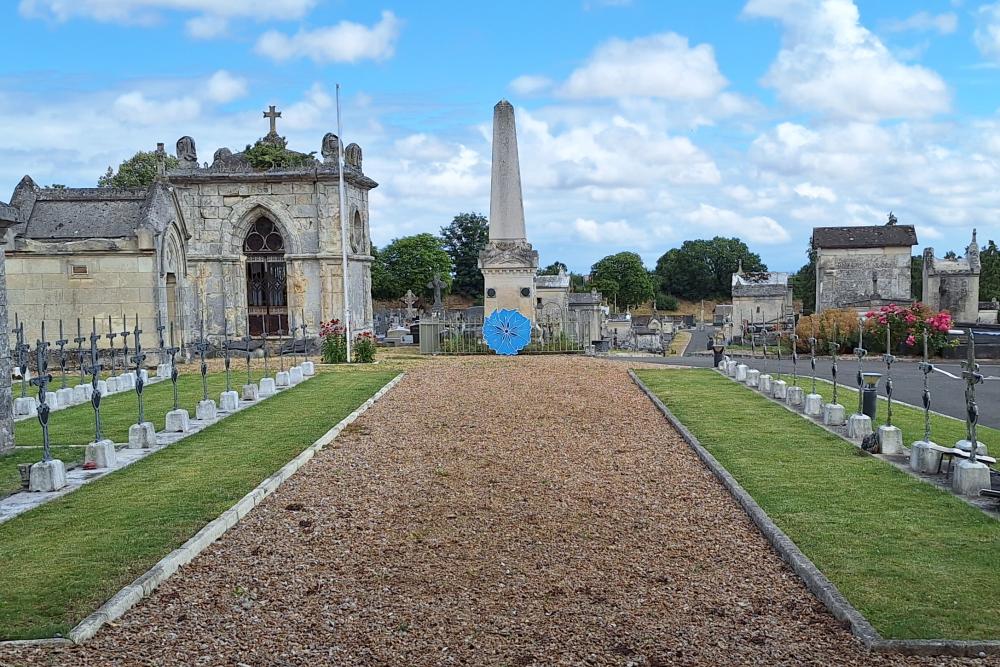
column 334, row 336
column 909, row 325
column 364, row 348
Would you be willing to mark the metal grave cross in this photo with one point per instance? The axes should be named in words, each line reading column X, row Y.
column 138, row 358
column 305, row 348
column 124, row 333
column 111, row 335
column 889, row 359
column 41, row 380
column 62, row 353
column 926, row 367
column 281, row 351
column 172, row 353
column 225, row 347
column 79, row 340
column 159, row 336
column 834, row 346
column 263, row 340
column 972, row 376
column 295, row 342
column 95, row 372
column 246, row 342
column 860, row 352
column 779, row 353
column 763, row 330
column 794, row 340
column 22, row 354
column 202, row 347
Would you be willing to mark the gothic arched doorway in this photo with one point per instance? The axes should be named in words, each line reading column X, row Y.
column 267, row 299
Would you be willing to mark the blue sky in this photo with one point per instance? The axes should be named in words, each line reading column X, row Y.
column 641, row 123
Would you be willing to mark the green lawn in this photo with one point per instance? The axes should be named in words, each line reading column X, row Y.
column 916, row 561
column 64, row 559
column 10, row 479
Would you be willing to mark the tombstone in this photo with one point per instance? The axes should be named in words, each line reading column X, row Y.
column 764, row 384
column 970, row 476
column 924, row 456
column 859, row 425
column 833, row 412
column 178, row 420
column 741, row 372
column 753, row 377
column 731, row 365
column 890, row 438
column 206, row 409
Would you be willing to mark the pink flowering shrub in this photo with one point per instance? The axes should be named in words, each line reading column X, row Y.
column 909, row 325
column 334, row 338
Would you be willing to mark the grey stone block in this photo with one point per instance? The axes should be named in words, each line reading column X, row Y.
column 178, row 421
column 141, row 436
column 47, row 476
column 102, row 453
column 229, row 401
column 206, row 410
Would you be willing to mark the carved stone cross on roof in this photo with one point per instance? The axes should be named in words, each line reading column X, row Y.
column 273, row 115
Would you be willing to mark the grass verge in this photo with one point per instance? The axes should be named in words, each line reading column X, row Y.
column 917, row 562
column 63, row 559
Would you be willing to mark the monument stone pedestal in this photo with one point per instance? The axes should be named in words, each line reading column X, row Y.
column 923, row 458
column 102, row 387
column 779, row 389
column 890, row 440
column 295, row 375
column 178, row 421
column 229, row 401
column 250, row 392
column 741, row 372
column 308, row 368
column 48, row 476
column 25, row 406
column 968, row 478
column 141, row 436
column 51, row 399
column 281, row 379
column 753, row 377
column 101, row 453
column 795, row 396
column 731, row 368
column 966, row 446
column 813, row 405
column 82, row 393
column 110, row 386
column 833, row 414
column 163, row 371
column 764, row 384
column 859, row 426
column 64, row 397
column 206, row 410
column 267, row 387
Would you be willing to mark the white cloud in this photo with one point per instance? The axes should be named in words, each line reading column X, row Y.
column 662, row 66
column 530, row 85
column 987, row 33
column 830, row 63
column 211, row 16
column 346, row 42
column 134, row 107
column 223, row 87
column 810, row 191
column 617, row 232
column 756, row 229
column 945, row 23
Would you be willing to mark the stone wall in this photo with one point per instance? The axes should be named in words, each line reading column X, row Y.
column 6, row 395
column 45, row 287
column 760, row 308
column 845, row 276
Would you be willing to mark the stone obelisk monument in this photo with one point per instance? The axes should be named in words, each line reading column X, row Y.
column 508, row 262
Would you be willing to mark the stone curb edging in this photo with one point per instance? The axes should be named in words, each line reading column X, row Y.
column 132, row 593
column 816, row 581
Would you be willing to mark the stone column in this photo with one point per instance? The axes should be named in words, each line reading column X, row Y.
column 8, row 216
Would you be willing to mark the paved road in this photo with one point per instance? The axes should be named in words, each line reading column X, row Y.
column 947, row 395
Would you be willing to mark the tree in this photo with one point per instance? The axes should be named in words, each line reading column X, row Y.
column 463, row 239
column 951, row 254
column 410, row 263
column 703, row 269
column 989, row 277
column 136, row 172
column 804, row 283
column 553, row 269
column 383, row 286
column 622, row 279
column 917, row 277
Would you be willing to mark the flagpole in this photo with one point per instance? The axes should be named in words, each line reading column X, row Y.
column 343, row 229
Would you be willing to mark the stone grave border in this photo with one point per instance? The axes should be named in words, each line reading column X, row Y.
column 151, row 381
column 806, row 570
column 145, row 584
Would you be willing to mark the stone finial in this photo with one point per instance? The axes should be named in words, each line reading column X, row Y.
column 506, row 202
column 161, row 159
column 186, row 153
column 352, row 156
column 330, row 148
column 222, row 155
column 972, row 253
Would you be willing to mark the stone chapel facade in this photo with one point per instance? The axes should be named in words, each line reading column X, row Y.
column 254, row 250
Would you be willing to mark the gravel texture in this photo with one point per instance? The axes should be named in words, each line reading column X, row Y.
column 534, row 510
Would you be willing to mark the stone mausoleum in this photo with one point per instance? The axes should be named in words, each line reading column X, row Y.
column 760, row 297
column 863, row 267
column 258, row 245
column 953, row 284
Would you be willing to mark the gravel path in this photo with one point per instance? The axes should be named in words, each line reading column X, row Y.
column 488, row 511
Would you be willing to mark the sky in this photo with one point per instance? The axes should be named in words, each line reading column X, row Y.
column 641, row 123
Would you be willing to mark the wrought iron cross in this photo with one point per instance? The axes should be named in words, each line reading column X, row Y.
column 263, row 340
column 79, row 340
column 138, row 358
column 41, row 380
column 305, row 349
column 763, row 330
column 972, row 376
column 111, row 335
column 295, row 351
column 95, row 372
column 159, row 334
column 794, row 340
column 246, row 341
column 62, row 353
column 889, row 359
column 202, row 347
column 22, row 355
column 172, row 353
column 779, row 353
column 281, row 351
column 834, row 346
column 861, row 353
column 225, row 347
column 124, row 334
column 927, row 368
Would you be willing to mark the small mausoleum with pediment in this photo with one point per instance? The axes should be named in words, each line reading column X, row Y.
column 251, row 239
